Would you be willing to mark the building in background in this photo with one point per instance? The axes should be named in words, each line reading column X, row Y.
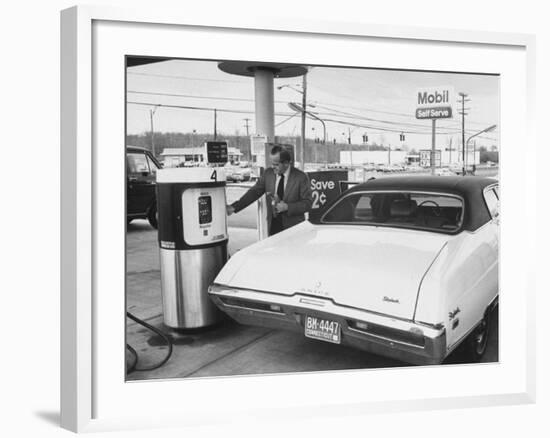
column 444, row 158
column 359, row 158
column 174, row 157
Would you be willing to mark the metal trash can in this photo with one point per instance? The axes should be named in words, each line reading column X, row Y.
column 192, row 235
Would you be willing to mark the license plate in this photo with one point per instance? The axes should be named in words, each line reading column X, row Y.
column 323, row 329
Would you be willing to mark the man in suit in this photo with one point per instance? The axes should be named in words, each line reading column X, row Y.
column 288, row 191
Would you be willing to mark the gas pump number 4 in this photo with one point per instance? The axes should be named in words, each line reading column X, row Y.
column 318, row 192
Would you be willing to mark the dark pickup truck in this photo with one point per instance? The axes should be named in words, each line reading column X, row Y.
column 141, row 173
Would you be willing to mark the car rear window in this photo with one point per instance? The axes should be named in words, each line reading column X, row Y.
column 426, row 211
column 137, row 163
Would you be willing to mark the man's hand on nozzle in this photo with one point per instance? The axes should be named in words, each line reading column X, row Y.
column 229, row 209
column 281, row 207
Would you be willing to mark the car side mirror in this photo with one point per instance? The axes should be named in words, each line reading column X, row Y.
column 144, row 173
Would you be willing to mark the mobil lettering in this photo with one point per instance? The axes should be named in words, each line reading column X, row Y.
column 435, row 102
column 427, row 98
column 325, row 188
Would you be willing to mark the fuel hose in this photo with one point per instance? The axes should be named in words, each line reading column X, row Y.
column 133, row 367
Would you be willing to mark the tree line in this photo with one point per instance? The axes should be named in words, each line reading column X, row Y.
column 316, row 152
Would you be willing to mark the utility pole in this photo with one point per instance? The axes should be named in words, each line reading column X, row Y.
column 215, row 123
column 246, row 125
column 432, row 156
column 475, row 161
column 151, row 114
column 303, row 133
column 463, row 100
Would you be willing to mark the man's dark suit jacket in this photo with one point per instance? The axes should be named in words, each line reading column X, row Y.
column 297, row 196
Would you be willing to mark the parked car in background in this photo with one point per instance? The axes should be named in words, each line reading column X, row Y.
column 403, row 266
column 383, row 168
column 369, row 167
column 415, row 167
column 397, row 167
column 456, row 168
column 141, row 172
column 444, row 171
column 237, row 173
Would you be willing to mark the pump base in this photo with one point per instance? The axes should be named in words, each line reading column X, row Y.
column 185, row 277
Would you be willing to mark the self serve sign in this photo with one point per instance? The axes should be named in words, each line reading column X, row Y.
column 435, row 102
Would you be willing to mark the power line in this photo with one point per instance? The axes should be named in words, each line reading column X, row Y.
column 288, row 115
column 343, row 114
column 363, row 108
column 184, row 77
column 449, row 129
column 191, row 96
column 359, row 117
column 398, row 123
column 194, row 96
column 380, row 128
column 287, row 119
column 200, row 108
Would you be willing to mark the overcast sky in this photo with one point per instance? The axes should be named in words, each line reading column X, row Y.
column 383, row 102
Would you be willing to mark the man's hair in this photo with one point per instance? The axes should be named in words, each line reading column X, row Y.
column 284, row 155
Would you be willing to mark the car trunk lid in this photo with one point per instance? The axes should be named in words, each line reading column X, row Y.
column 373, row 268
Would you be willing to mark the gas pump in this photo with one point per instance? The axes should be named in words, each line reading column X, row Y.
column 192, row 236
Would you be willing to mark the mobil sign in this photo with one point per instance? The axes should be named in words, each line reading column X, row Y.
column 435, row 102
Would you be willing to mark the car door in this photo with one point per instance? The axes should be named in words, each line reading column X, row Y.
column 140, row 183
column 479, row 252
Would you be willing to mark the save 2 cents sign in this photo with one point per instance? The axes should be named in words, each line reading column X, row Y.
column 435, row 102
column 325, row 188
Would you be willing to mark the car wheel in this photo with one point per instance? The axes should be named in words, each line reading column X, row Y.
column 152, row 217
column 478, row 339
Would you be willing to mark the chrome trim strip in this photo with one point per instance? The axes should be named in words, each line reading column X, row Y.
column 312, row 302
column 384, row 338
column 234, row 306
column 364, row 315
column 424, row 276
column 219, row 289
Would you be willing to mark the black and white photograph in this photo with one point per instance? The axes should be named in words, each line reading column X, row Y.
column 287, row 218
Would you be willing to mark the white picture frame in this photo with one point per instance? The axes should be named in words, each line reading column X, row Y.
column 86, row 64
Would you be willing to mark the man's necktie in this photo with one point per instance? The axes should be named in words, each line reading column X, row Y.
column 281, row 188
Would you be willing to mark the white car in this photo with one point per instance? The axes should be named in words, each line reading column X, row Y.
column 404, row 266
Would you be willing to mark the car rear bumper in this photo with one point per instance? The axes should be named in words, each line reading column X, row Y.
column 379, row 334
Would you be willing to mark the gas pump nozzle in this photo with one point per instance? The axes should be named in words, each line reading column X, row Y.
column 274, row 200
